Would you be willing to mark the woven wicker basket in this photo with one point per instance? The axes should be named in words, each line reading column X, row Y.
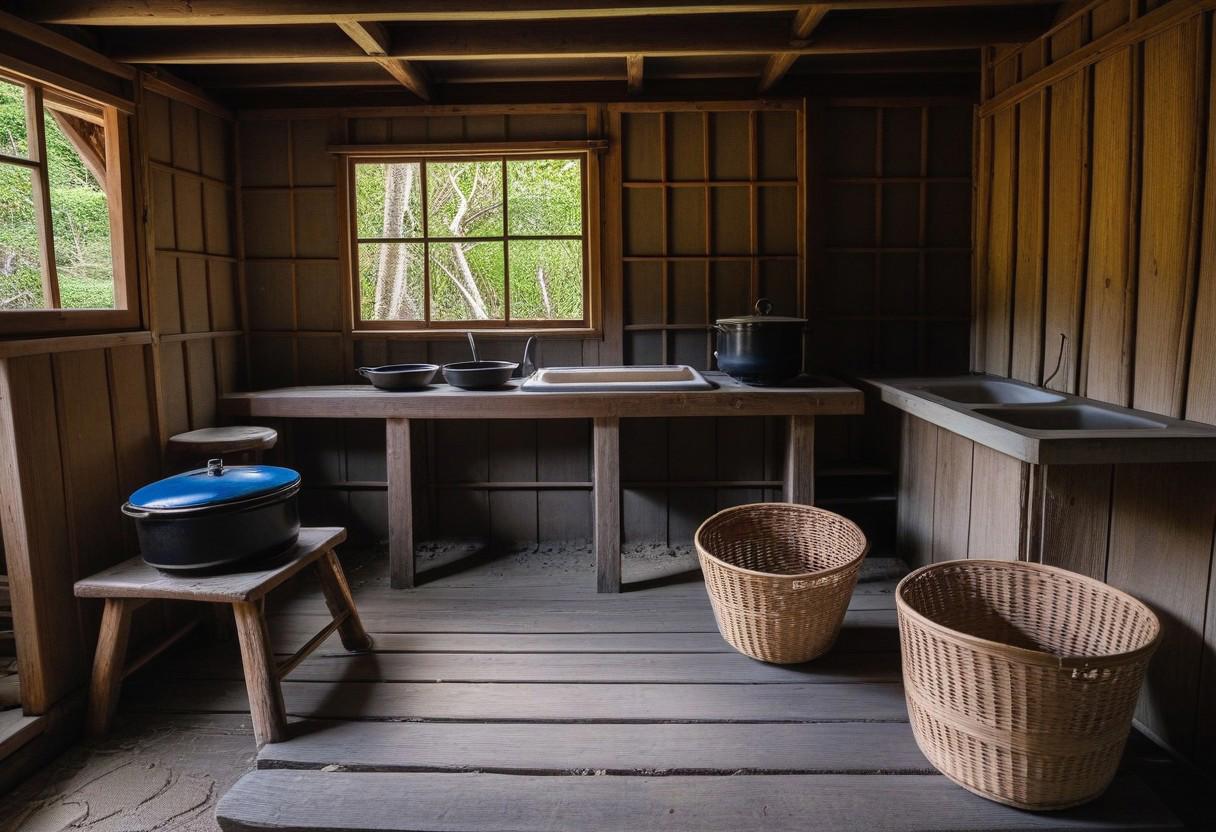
column 1021, row 679
column 780, row 577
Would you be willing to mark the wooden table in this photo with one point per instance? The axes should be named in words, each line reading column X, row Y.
column 128, row 585
column 730, row 398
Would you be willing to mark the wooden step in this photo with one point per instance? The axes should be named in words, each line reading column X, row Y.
column 572, row 748
column 308, row 801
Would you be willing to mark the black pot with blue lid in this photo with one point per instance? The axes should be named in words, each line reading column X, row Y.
column 215, row 517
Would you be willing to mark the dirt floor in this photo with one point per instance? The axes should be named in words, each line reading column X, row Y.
column 156, row 772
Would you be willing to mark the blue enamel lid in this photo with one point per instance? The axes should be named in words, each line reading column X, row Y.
column 214, row 485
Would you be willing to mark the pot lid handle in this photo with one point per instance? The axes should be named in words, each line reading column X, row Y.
column 764, row 306
column 215, row 467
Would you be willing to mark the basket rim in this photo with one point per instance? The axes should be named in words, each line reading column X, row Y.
column 819, row 573
column 1041, row 657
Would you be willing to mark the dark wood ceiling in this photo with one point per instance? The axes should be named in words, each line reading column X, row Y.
column 463, row 50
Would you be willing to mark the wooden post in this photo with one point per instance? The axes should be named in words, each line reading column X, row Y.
column 400, row 504
column 261, row 674
column 340, row 603
column 800, row 460
column 607, row 496
column 108, row 665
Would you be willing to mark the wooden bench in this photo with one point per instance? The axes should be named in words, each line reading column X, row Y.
column 132, row 583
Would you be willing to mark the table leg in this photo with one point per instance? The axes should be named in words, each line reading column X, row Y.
column 607, row 495
column 340, row 603
column 108, row 663
column 800, row 460
column 261, row 674
column 400, row 504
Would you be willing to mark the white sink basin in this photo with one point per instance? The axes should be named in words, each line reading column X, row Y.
column 591, row 379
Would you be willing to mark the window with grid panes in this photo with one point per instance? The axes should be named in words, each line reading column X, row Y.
column 484, row 242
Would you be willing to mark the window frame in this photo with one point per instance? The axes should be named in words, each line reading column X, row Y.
column 588, row 325
column 39, row 97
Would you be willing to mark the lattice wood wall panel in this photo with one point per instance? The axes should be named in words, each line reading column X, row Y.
column 890, row 279
column 194, row 293
column 712, row 211
column 1096, row 274
column 711, row 206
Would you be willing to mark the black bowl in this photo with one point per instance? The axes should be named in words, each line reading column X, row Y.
column 400, row 376
column 479, row 375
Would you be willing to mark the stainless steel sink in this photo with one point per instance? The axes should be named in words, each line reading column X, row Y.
column 1070, row 417
column 988, row 391
column 607, row 379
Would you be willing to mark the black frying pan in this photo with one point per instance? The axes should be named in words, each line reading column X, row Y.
column 478, row 375
column 400, row 376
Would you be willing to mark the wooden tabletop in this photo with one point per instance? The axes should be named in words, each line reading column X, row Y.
column 442, row 401
column 135, row 579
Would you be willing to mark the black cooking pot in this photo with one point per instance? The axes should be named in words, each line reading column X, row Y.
column 216, row 516
column 761, row 348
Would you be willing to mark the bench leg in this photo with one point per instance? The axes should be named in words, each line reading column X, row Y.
column 261, row 674
column 108, row 663
column 341, row 604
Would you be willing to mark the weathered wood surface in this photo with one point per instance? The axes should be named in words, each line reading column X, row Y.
column 561, row 702
column 294, row 800
column 442, row 401
column 579, row 668
column 524, row 620
column 867, row 631
column 670, row 748
column 135, row 579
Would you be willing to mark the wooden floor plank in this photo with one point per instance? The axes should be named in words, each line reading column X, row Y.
column 593, row 668
column 869, row 595
column 505, row 619
column 314, row 800
column 862, row 632
column 877, row 701
column 574, row 749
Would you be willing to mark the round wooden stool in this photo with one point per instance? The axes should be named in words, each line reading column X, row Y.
column 209, row 443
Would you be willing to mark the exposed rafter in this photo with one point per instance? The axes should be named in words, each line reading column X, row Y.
column 375, row 42
column 277, row 12
column 633, row 73
column 805, row 21
column 652, row 37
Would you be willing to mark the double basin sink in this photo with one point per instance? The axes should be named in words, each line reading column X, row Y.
column 1037, row 409
column 1044, row 426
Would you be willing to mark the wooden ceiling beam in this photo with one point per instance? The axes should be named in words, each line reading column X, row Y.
column 656, row 37
column 277, row 12
column 805, row 21
column 374, row 40
column 633, row 73
column 449, row 73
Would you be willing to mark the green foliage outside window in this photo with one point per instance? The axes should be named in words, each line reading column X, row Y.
column 80, row 218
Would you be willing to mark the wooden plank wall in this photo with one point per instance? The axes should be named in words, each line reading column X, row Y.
column 1098, row 206
column 84, row 426
column 704, row 208
column 194, row 292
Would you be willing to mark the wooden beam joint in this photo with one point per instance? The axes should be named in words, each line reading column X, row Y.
column 374, row 39
column 805, row 23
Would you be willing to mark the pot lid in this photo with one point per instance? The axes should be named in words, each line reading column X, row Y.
column 214, row 485
column 764, row 309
